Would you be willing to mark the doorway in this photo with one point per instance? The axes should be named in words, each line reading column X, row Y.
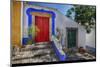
column 42, row 24
column 72, row 37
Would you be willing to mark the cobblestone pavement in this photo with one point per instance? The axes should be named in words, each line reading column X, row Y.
column 34, row 54
column 75, row 55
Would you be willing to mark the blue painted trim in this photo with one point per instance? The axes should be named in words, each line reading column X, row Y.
column 58, row 54
column 29, row 10
column 24, row 41
column 91, row 49
column 53, row 25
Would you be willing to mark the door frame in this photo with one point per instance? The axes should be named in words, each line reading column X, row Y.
column 43, row 15
column 72, row 28
column 28, row 13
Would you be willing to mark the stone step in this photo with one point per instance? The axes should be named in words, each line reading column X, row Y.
column 29, row 54
column 32, row 54
column 46, row 58
column 36, row 47
column 32, row 51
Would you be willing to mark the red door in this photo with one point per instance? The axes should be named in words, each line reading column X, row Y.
column 42, row 23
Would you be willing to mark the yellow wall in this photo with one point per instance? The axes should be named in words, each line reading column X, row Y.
column 16, row 20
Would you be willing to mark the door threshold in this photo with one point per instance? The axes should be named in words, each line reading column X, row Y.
column 42, row 43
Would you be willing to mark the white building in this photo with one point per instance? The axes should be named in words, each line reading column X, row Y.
column 74, row 35
column 43, row 24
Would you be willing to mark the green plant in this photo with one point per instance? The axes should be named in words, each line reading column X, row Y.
column 30, row 41
column 31, row 31
column 84, row 15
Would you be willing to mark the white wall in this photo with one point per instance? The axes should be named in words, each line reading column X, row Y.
column 81, row 36
column 90, row 39
column 62, row 22
column 25, row 22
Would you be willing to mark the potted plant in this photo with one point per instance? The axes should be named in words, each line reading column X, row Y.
column 30, row 33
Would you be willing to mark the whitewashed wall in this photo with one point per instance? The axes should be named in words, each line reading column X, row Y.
column 90, row 39
column 62, row 22
column 81, row 36
column 25, row 23
column 25, row 19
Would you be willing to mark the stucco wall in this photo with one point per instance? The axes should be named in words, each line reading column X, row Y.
column 62, row 22
column 25, row 18
column 90, row 39
column 81, row 37
column 25, row 22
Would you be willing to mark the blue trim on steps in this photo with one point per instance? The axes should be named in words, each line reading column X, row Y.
column 58, row 54
column 91, row 49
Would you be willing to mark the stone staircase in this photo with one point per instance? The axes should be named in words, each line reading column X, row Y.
column 34, row 54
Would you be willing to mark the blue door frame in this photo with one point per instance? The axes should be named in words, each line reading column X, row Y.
column 28, row 12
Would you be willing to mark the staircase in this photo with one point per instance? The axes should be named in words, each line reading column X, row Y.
column 34, row 54
column 58, row 49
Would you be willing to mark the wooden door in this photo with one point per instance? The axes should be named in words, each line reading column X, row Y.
column 71, row 38
column 42, row 23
